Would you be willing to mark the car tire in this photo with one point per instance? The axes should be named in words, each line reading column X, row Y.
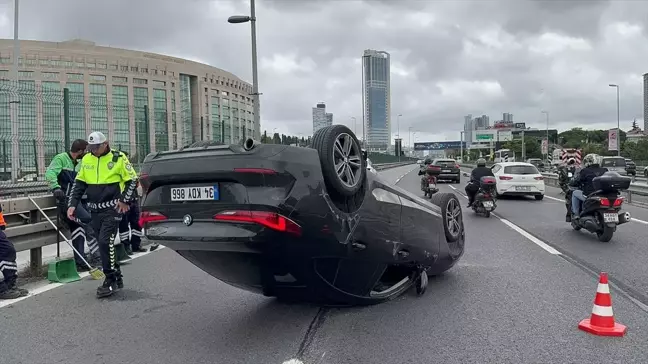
column 451, row 214
column 330, row 143
column 539, row 197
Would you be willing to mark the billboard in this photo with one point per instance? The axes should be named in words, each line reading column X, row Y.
column 519, row 125
column 613, row 139
column 439, row 145
column 486, row 136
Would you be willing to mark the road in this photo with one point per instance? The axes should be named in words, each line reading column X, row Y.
column 508, row 301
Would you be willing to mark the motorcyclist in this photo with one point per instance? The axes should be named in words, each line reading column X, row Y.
column 584, row 181
column 475, row 176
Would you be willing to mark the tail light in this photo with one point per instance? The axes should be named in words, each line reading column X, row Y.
column 145, row 182
column 271, row 220
column 605, row 202
column 505, row 178
column 540, row 178
column 254, row 170
column 150, row 216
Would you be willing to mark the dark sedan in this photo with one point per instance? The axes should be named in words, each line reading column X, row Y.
column 298, row 223
column 450, row 170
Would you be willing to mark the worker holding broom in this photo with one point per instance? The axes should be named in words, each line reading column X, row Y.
column 60, row 176
column 8, row 266
column 109, row 181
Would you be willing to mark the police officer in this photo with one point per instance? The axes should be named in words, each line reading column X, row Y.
column 109, row 181
column 130, row 231
column 8, row 266
column 60, row 175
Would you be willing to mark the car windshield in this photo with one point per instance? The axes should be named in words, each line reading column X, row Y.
column 445, row 163
column 613, row 162
column 520, row 169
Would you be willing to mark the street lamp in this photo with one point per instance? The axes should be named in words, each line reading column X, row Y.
column 547, row 114
column 237, row 19
column 618, row 141
column 409, row 139
column 398, row 123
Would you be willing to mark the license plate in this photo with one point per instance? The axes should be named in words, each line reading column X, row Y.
column 610, row 217
column 431, row 185
column 202, row 193
column 488, row 203
column 523, row 188
column 446, row 171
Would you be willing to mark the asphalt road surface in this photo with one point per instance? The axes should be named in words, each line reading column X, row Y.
column 509, row 300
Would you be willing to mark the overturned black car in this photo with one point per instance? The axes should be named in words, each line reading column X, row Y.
column 298, row 223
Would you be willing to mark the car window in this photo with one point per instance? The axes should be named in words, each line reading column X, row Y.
column 613, row 162
column 496, row 168
column 445, row 162
column 521, row 169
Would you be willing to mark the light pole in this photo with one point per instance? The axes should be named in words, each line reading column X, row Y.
column 13, row 107
column 398, row 125
column 236, row 19
column 618, row 121
column 547, row 115
column 355, row 131
column 409, row 139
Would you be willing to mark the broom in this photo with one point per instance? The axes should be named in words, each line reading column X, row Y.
column 95, row 273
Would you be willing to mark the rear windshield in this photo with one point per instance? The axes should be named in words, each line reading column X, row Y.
column 446, row 163
column 613, row 162
column 534, row 161
column 521, row 169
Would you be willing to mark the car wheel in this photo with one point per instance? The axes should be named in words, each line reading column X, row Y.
column 452, row 216
column 539, row 197
column 343, row 167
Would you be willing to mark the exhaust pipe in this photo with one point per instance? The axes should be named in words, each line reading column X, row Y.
column 249, row 144
column 624, row 217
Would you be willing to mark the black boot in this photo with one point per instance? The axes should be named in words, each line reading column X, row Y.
column 108, row 287
column 129, row 249
column 119, row 279
column 12, row 294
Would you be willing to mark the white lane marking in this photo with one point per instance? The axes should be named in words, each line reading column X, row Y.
column 406, row 173
column 639, row 221
column 50, row 286
column 548, row 248
column 453, row 187
column 554, row 198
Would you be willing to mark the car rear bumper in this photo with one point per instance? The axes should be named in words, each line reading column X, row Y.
column 511, row 189
column 456, row 175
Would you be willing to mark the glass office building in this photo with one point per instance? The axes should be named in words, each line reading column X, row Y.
column 143, row 102
column 377, row 99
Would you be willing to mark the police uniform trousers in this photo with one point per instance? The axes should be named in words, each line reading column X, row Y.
column 8, row 266
column 130, row 231
column 105, row 223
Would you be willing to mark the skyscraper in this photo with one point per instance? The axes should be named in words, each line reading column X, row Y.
column 321, row 118
column 468, row 128
column 376, row 99
column 507, row 117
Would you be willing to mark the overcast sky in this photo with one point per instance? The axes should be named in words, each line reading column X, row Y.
column 449, row 58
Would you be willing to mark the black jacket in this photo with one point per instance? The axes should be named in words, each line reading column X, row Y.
column 584, row 179
column 479, row 172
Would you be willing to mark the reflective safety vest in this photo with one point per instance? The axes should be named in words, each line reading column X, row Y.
column 105, row 179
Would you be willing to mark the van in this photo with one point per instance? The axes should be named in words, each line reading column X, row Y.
column 615, row 164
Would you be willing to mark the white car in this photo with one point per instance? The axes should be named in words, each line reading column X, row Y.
column 518, row 178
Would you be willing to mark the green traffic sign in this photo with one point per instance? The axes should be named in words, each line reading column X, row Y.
column 484, row 136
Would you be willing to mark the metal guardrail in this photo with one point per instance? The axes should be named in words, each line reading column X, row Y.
column 551, row 179
column 27, row 229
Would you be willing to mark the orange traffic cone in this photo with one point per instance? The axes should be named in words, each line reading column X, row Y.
column 602, row 320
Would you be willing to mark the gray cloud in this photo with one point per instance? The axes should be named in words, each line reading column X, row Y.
column 449, row 58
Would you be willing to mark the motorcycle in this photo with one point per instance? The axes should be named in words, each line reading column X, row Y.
column 601, row 210
column 485, row 198
column 429, row 181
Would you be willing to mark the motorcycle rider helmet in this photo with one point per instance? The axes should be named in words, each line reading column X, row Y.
column 481, row 162
column 592, row 160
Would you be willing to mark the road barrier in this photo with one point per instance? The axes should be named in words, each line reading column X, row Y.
column 551, row 179
column 27, row 229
